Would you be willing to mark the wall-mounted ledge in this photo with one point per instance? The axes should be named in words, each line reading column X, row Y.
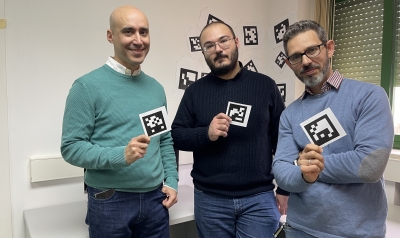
column 393, row 168
column 52, row 167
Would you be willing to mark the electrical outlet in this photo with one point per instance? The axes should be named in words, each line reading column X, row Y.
column 3, row 23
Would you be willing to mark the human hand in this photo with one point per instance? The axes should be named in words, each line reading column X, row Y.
column 136, row 148
column 172, row 197
column 219, row 126
column 282, row 202
column 311, row 162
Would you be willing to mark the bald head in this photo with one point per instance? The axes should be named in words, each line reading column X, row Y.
column 129, row 33
column 122, row 13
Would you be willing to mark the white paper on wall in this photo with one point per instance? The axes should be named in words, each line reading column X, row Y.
column 193, row 43
column 254, row 64
column 278, row 64
column 278, row 27
column 188, row 71
column 251, row 35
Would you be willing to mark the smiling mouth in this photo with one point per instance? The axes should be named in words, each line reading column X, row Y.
column 136, row 51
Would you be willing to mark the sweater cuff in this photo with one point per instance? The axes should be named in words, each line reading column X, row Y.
column 117, row 157
column 282, row 192
column 172, row 183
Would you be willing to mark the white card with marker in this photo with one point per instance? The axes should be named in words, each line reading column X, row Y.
column 323, row 128
column 239, row 113
column 155, row 122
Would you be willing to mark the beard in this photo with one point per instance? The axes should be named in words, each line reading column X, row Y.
column 314, row 80
column 225, row 68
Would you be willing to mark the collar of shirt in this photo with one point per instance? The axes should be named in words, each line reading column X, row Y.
column 333, row 81
column 120, row 68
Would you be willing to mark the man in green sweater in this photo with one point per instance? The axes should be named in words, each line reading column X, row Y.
column 132, row 179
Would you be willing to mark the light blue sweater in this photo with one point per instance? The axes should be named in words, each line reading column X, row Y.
column 348, row 199
column 101, row 117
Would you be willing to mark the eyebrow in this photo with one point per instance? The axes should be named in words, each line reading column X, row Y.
column 217, row 40
column 133, row 29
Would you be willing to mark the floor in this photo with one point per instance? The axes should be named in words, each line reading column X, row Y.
column 393, row 229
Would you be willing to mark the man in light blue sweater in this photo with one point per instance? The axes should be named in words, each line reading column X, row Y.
column 132, row 179
column 338, row 190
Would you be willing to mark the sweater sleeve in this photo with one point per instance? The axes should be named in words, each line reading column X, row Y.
column 186, row 135
column 78, row 125
column 169, row 161
column 373, row 141
column 287, row 175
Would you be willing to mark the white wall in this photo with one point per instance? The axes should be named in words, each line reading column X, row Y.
column 5, row 198
column 51, row 43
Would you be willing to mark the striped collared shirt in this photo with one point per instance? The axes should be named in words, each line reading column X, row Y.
column 120, row 68
column 333, row 81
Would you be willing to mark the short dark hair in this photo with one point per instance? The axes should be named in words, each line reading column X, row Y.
column 218, row 22
column 303, row 26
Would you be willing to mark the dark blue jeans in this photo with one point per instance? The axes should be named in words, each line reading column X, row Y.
column 127, row 215
column 294, row 233
column 224, row 217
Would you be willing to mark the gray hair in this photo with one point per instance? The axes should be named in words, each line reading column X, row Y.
column 303, row 26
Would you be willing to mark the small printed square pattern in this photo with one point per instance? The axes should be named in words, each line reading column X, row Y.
column 154, row 123
column 250, row 35
column 186, row 78
column 239, row 113
column 280, row 29
column 321, row 130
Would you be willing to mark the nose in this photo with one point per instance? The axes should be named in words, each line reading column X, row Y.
column 137, row 38
column 305, row 60
column 218, row 48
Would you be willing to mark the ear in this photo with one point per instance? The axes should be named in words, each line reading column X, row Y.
column 330, row 47
column 109, row 36
column 237, row 42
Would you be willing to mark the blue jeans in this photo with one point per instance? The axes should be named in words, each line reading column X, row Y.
column 223, row 217
column 127, row 215
column 290, row 232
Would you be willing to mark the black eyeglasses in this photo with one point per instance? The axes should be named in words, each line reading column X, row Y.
column 311, row 52
column 223, row 43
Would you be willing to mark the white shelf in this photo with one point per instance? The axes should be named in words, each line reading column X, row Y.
column 393, row 168
column 68, row 220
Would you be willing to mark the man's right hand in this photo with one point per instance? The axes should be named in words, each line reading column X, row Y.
column 219, row 126
column 311, row 162
column 136, row 148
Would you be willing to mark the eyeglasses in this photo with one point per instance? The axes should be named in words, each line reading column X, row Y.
column 223, row 43
column 311, row 52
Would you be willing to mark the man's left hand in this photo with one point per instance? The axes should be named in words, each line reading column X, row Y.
column 172, row 197
column 282, row 202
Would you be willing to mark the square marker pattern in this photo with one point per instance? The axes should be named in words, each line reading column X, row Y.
column 154, row 121
column 323, row 128
column 239, row 113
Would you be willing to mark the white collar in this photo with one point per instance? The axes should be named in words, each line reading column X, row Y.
column 120, row 68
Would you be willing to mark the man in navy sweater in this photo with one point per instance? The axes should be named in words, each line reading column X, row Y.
column 234, row 189
column 338, row 190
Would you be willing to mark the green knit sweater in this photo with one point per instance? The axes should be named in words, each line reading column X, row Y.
column 101, row 117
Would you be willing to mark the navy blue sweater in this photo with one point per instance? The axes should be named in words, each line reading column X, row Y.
column 239, row 164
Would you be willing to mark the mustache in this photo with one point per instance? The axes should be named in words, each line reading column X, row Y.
column 308, row 67
column 220, row 56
